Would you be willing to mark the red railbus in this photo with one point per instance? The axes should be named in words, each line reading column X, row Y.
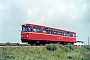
column 38, row 34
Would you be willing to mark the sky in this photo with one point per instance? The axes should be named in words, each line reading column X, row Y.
column 71, row 15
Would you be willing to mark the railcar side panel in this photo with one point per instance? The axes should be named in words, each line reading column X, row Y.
column 47, row 37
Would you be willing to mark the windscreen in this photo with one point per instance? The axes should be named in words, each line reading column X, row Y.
column 27, row 28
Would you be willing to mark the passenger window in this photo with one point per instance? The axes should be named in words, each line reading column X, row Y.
column 34, row 28
column 50, row 30
column 47, row 30
column 38, row 28
column 54, row 32
column 60, row 32
column 44, row 30
column 65, row 33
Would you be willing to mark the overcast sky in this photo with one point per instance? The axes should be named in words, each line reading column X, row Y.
column 71, row 15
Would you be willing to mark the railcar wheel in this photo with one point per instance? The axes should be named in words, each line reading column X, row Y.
column 37, row 43
column 31, row 43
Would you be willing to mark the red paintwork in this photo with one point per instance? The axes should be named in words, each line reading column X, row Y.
column 46, row 37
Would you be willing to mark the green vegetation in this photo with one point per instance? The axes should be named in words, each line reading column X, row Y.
column 52, row 47
column 47, row 52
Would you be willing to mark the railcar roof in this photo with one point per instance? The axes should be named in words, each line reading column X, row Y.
column 50, row 27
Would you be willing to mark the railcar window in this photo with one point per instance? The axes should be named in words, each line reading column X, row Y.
column 65, row 33
column 50, row 30
column 27, row 28
column 47, row 30
column 74, row 35
column 68, row 34
column 60, row 32
column 71, row 34
column 23, row 28
column 30, row 28
column 44, row 30
column 54, row 32
column 38, row 28
column 35, row 28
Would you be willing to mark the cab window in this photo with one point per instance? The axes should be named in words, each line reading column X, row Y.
column 23, row 28
column 71, row 34
column 27, row 28
column 74, row 35
column 68, row 34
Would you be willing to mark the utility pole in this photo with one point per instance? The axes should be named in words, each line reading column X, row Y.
column 88, row 40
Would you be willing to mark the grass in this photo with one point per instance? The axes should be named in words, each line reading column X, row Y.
column 47, row 52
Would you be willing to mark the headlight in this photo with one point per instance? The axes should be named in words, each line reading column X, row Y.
column 27, row 35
